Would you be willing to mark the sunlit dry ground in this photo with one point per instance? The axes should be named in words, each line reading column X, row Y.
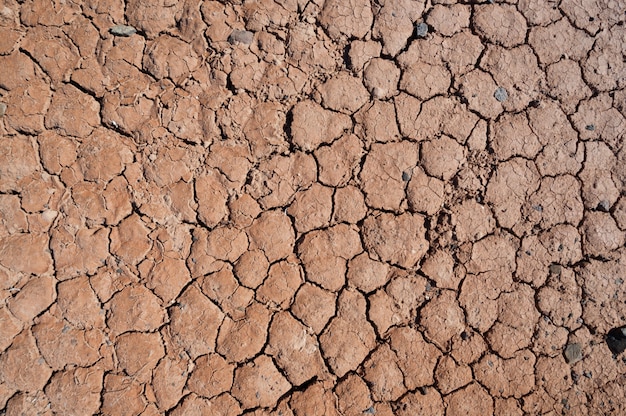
column 316, row 207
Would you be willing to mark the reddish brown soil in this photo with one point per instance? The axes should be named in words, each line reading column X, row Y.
column 293, row 207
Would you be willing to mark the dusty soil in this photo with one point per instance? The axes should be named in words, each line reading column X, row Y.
column 315, row 207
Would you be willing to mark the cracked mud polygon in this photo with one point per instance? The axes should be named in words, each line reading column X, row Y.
column 292, row 207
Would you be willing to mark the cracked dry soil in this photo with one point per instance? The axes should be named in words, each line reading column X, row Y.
column 290, row 207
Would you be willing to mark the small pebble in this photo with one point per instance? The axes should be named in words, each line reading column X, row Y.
column 406, row 176
column 421, row 30
column 604, row 206
column 3, row 109
column 590, row 127
column 501, row 94
column 378, row 92
column 241, row 36
column 123, row 30
column 555, row 269
column 573, row 353
column 616, row 340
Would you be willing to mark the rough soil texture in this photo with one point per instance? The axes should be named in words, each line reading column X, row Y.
column 290, row 207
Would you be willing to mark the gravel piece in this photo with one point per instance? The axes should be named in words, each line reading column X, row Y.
column 122, row 30
column 573, row 353
column 241, row 36
column 616, row 340
column 604, row 206
column 421, row 30
column 3, row 109
column 501, row 94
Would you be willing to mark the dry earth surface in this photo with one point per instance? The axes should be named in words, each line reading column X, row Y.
column 309, row 207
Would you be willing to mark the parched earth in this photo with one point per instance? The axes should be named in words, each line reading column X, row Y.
column 293, row 207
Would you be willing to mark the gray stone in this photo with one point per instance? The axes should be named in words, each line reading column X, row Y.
column 421, row 30
column 3, row 109
column 241, row 36
column 501, row 94
column 122, row 30
column 604, row 206
column 555, row 269
column 573, row 353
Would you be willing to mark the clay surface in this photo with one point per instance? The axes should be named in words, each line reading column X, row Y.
column 327, row 207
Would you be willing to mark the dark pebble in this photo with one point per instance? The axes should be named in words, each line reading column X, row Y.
column 616, row 340
column 590, row 127
column 123, row 30
column 604, row 206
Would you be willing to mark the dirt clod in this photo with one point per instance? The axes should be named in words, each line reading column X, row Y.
column 259, row 383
